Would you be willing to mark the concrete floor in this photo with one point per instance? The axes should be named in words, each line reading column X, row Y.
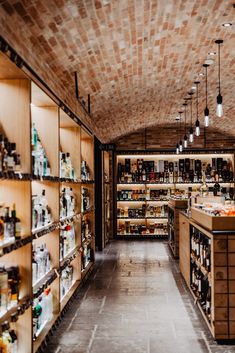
column 134, row 302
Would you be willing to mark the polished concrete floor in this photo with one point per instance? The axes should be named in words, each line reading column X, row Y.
column 134, row 302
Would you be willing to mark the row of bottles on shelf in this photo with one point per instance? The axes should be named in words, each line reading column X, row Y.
column 10, row 225
column 183, row 170
column 144, row 211
column 10, row 161
column 67, row 240
column 41, row 263
column 8, row 339
column 156, row 228
column 42, row 311
column 41, row 212
column 200, row 247
column 67, row 202
column 9, row 287
column 87, row 255
column 41, row 165
column 144, row 194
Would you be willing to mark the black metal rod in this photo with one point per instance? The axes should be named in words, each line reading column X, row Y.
column 76, row 84
column 89, row 103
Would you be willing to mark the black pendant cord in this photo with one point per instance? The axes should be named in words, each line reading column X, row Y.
column 206, row 86
column 219, row 66
column 197, row 101
column 191, row 111
column 185, row 107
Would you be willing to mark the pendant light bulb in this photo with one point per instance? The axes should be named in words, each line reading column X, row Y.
column 181, row 146
column 185, row 141
column 219, row 108
column 197, row 129
column 206, row 117
column 177, row 149
column 191, row 135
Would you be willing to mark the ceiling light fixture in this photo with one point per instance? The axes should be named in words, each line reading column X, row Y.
column 197, row 124
column 191, row 125
column 180, row 143
column 219, row 109
column 206, row 110
column 185, row 134
column 177, row 132
column 212, row 53
column 227, row 24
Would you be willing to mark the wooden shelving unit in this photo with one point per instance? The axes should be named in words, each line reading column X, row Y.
column 221, row 276
column 106, row 194
column 23, row 104
column 172, row 184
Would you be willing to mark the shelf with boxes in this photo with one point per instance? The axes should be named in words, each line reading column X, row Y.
column 146, row 182
column 46, row 194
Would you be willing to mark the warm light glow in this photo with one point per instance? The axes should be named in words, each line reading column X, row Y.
column 197, row 131
column 219, row 110
column 207, row 120
column 181, row 147
column 185, row 143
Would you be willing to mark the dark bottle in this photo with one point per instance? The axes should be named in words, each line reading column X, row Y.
column 16, row 223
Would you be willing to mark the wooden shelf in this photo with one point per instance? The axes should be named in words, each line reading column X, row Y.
column 57, row 131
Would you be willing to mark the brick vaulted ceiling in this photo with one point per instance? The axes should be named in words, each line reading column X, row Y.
column 137, row 58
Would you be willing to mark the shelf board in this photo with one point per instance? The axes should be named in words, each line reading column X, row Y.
column 44, row 282
column 6, row 316
column 67, row 296
column 39, row 232
column 45, row 330
column 7, row 248
column 173, row 183
column 15, row 176
column 87, row 182
column 70, row 253
column 142, row 201
column 87, row 269
column 69, row 218
column 141, row 236
column 134, row 218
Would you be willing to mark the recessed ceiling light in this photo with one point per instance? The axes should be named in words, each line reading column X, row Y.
column 227, row 24
column 212, row 53
column 209, row 61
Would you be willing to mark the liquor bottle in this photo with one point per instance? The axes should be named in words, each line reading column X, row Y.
column 67, row 240
column 41, row 212
column 41, row 263
column 8, row 339
column 203, row 187
column 85, row 199
column 3, row 290
column 86, row 256
column 67, row 202
column 42, row 311
column 208, row 301
column 85, row 173
column 66, row 280
column 16, row 223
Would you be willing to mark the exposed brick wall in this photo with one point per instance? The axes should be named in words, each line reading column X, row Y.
column 137, row 59
column 166, row 137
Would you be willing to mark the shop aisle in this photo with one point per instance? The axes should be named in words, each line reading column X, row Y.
column 134, row 302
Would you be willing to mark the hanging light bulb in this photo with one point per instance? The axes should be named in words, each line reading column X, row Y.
column 191, row 137
column 206, row 110
column 185, row 117
column 180, row 143
column 177, row 148
column 197, row 124
column 219, row 108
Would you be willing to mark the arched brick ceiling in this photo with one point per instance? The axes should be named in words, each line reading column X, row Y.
column 137, row 58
